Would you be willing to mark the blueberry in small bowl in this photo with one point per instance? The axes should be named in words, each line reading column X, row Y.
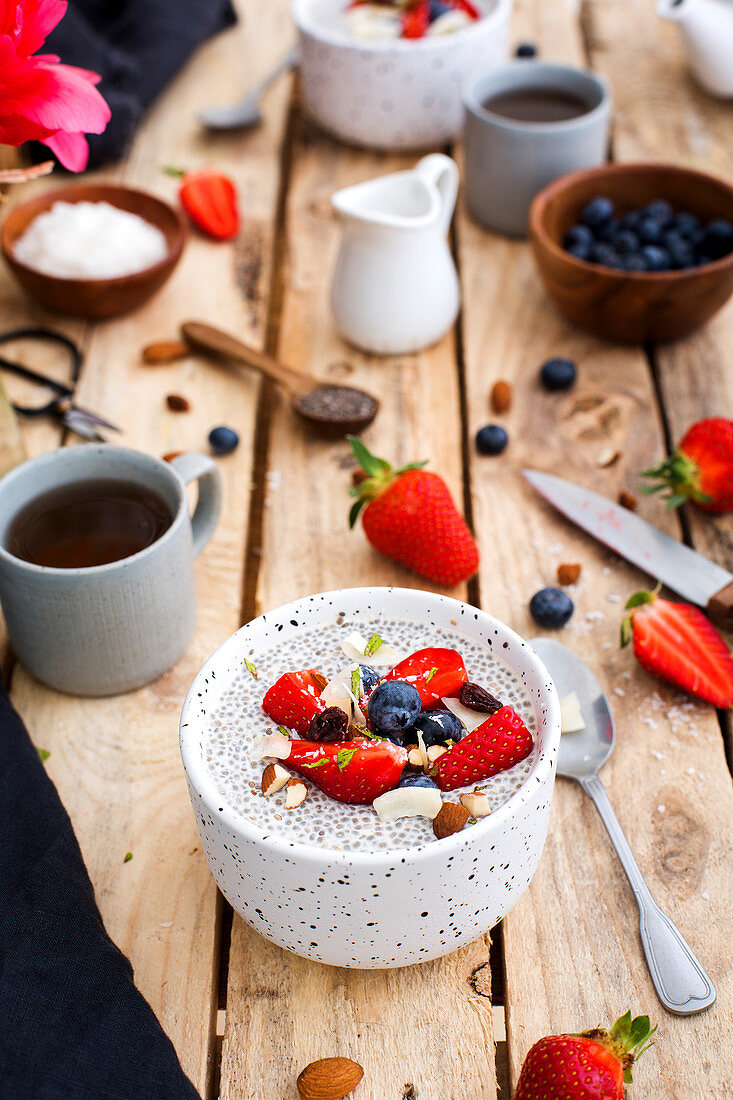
column 635, row 253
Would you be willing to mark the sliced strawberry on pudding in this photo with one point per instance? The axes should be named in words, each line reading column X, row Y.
column 295, row 699
column 416, row 19
column 348, row 771
column 436, row 673
column 497, row 744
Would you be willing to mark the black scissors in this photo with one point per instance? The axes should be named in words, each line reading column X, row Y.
column 81, row 421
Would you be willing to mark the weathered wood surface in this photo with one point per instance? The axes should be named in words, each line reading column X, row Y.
column 393, row 1024
column 116, row 761
column 571, row 950
column 12, row 444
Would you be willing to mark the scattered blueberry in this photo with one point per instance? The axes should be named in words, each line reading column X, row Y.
column 649, row 230
column 605, row 254
column 626, row 241
column 634, row 262
column 687, row 225
column 558, row 374
column 369, row 677
column 437, row 8
column 718, row 239
column 551, row 607
column 659, row 210
column 598, row 212
column 411, row 779
column 223, row 440
column 656, row 258
column 578, row 235
column 491, row 439
column 438, row 727
column 526, row 49
column 650, row 238
column 393, row 706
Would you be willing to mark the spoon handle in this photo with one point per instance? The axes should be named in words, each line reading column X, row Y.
column 681, row 983
column 214, row 341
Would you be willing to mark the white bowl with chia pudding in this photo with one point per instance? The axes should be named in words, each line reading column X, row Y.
column 392, row 93
column 331, row 881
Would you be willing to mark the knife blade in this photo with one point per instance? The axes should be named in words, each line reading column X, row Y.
column 690, row 574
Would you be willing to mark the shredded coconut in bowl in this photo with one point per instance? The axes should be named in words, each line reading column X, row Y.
column 90, row 240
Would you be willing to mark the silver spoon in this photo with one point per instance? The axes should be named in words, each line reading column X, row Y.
column 246, row 113
column 682, row 985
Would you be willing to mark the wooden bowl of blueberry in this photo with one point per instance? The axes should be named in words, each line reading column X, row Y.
column 635, row 252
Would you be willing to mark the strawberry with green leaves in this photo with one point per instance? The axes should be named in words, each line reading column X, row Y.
column 408, row 514
column 295, row 699
column 497, row 744
column 356, row 772
column 675, row 642
column 700, row 470
column 593, row 1065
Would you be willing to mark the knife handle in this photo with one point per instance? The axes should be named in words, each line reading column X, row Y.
column 720, row 607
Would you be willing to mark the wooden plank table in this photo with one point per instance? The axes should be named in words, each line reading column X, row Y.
column 244, row 1016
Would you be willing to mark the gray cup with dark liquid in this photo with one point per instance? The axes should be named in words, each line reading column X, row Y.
column 526, row 124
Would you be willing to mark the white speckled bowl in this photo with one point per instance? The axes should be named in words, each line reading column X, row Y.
column 392, row 93
column 387, row 908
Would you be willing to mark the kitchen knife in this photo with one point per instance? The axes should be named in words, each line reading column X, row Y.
column 670, row 561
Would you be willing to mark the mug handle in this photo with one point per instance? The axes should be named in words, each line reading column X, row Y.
column 201, row 468
column 442, row 172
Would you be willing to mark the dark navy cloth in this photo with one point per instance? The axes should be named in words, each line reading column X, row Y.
column 137, row 46
column 72, row 1024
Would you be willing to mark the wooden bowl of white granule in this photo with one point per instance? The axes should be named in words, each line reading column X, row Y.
column 93, row 250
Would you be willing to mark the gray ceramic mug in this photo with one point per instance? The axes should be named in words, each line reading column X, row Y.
column 110, row 628
column 508, row 161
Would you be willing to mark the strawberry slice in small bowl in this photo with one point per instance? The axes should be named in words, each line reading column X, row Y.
column 499, row 743
column 295, row 699
column 435, row 672
column 356, row 772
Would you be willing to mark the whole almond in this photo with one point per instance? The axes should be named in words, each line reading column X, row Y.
column 177, row 403
column 568, row 572
column 329, row 1079
column 501, row 396
column 450, row 819
column 165, row 351
column 627, row 500
column 170, row 455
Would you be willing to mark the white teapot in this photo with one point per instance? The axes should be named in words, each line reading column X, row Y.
column 395, row 287
column 707, row 33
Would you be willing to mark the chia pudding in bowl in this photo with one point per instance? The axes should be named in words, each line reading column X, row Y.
column 340, row 882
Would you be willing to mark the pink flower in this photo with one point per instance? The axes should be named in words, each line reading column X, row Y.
column 41, row 99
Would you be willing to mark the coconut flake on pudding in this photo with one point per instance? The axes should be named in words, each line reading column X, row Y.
column 90, row 240
column 238, row 727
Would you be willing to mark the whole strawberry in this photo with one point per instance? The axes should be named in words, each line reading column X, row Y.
column 591, row 1066
column 677, row 643
column 409, row 516
column 701, row 469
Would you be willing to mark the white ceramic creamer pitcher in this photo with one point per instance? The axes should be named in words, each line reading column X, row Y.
column 395, row 288
column 707, row 32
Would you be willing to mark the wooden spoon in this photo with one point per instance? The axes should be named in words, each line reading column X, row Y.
column 333, row 410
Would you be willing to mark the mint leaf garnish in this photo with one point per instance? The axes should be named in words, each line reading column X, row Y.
column 251, row 668
column 43, row 754
column 344, row 758
column 373, row 645
column 127, row 858
column 430, row 674
column 317, row 763
column 356, row 682
column 285, row 732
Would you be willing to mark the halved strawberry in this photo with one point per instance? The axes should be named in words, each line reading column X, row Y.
column 700, row 470
column 436, row 673
column 677, row 643
column 349, row 771
column 295, row 699
column 416, row 20
column 497, row 744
